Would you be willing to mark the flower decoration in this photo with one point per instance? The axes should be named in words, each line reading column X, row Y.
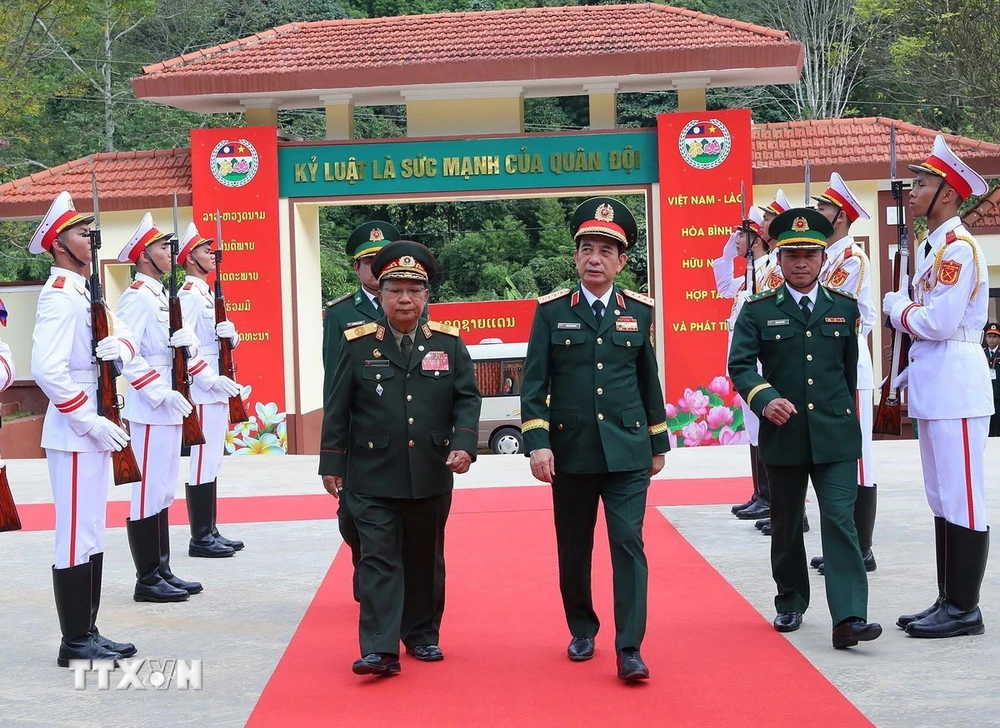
column 266, row 444
column 265, row 433
column 707, row 416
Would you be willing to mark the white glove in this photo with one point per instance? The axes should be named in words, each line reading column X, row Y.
column 227, row 387
column 901, row 381
column 729, row 251
column 892, row 299
column 109, row 434
column 109, row 348
column 177, row 403
column 184, row 337
column 2, row 464
column 226, row 330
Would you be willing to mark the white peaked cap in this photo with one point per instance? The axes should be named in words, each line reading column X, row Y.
column 62, row 215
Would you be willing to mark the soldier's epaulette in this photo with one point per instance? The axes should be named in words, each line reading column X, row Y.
column 951, row 236
column 335, row 301
column 188, row 286
column 762, row 295
column 639, row 297
column 358, row 331
column 59, row 282
column 137, row 285
column 554, row 295
column 842, row 292
column 444, row 328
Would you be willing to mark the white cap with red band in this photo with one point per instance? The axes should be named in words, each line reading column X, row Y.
column 189, row 241
column 840, row 195
column 145, row 235
column 779, row 205
column 62, row 215
column 944, row 163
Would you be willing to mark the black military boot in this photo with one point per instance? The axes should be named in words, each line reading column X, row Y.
column 966, row 553
column 72, row 589
column 200, row 505
column 144, row 541
column 125, row 649
column 234, row 545
column 864, row 521
column 940, row 547
column 753, row 474
column 191, row 587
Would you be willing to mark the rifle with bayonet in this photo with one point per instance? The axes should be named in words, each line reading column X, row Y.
column 123, row 462
column 807, row 180
column 9, row 520
column 751, row 277
column 888, row 415
column 227, row 366
column 180, row 380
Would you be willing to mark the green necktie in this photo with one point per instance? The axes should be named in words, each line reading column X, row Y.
column 804, row 305
column 598, row 308
column 406, row 346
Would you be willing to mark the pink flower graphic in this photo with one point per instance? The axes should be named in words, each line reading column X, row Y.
column 720, row 386
column 695, row 434
column 728, row 437
column 241, row 166
column 694, row 402
column 671, row 411
column 719, row 417
column 713, row 148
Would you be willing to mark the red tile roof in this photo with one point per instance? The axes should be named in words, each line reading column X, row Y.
column 126, row 180
column 857, row 148
column 527, row 43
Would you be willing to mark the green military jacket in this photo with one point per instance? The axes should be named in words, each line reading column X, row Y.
column 346, row 312
column 812, row 364
column 388, row 428
column 591, row 393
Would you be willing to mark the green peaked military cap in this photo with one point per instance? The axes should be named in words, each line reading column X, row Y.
column 368, row 239
column 607, row 217
column 801, row 228
column 404, row 259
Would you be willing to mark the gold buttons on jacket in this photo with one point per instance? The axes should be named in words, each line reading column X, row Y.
column 559, row 426
column 447, row 443
column 568, row 342
column 809, row 334
column 600, row 390
column 409, row 398
column 836, row 333
column 848, row 410
column 600, row 416
column 809, row 357
column 378, row 376
column 371, row 445
column 411, row 443
column 600, row 340
column 437, row 374
column 811, row 406
column 777, row 337
column 809, row 381
column 410, row 421
column 600, row 365
column 628, row 343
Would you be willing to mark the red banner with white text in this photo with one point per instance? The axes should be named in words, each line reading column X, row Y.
column 703, row 157
column 509, row 321
column 235, row 172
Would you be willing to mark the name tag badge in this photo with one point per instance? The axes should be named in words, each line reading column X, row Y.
column 835, row 320
column 352, row 324
column 434, row 361
column 993, row 373
column 562, row 325
column 376, row 362
column 777, row 322
column 626, row 323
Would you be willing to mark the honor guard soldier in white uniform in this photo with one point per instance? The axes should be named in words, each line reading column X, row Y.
column 77, row 441
column 950, row 395
column 210, row 392
column 155, row 413
column 737, row 288
column 847, row 267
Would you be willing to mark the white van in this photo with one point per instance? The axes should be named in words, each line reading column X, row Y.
column 499, row 372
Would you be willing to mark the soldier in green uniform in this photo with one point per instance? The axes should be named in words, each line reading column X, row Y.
column 401, row 419
column 594, row 426
column 346, row 312
column 805, row 336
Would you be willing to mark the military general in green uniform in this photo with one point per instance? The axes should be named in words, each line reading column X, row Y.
column 805, row 336
column 402, row 417
column 595, row 427
column 346, row 312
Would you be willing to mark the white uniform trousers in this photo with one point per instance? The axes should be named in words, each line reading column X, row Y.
column 866, row 413
column 158, row 450
column 953, row 458
column 750, row 423
column 206, row 460
column 80, row 494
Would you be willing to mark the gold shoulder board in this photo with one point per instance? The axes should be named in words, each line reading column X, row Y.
column 358, row 331
column 444, row 328
column 554, row 295
column 639, row 297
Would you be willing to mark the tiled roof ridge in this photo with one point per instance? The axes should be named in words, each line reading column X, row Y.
column 90, row 159
column 901, row 126
column 271, row 33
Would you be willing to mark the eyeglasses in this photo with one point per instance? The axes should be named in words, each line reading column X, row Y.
column 398, row 292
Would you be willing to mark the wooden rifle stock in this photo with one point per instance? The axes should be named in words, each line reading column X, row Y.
column 227, row 367
column 889, row 413
column 123, row 462
column 9, row 520
column 191, row 432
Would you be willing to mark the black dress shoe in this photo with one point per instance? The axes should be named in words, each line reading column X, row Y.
column 377, row 663
column 759, row 525
column 949, row 620
column 426, row 653
column 905, row 619
column 630, row 665
column 788, row 621
column 816, row 562
column 737, row 508
column 766, row 529
column 852, row 631
column 868, row 557
column 581, row 649
column 805, row 523
column 760, row 509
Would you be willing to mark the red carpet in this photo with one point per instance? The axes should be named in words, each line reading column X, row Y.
column 270, row 508
column 504, row 636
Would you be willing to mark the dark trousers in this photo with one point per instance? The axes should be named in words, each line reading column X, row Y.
column 402, row 589
column 995, row 420
column 349, row 530
column 761, row 487
column 574, row 500
column 846, row 581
